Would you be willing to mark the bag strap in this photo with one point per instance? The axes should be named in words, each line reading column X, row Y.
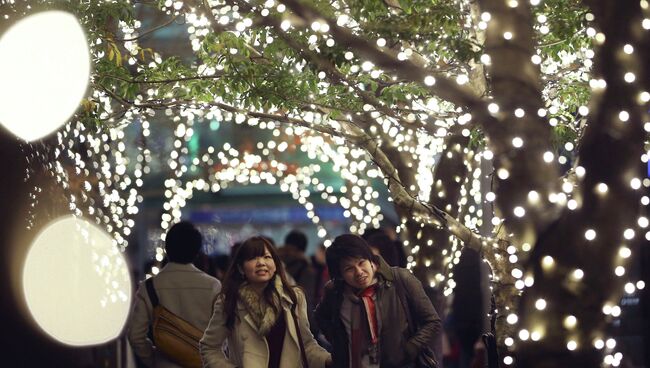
column 302, row 346
column 399, row 287
column 152, row 292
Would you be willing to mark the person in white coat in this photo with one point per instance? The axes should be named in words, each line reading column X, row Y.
column 260, row 317
column 181, row 288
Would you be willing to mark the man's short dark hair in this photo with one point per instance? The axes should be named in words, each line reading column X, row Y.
column 347, row 246
column 183, row 242
column 297, row 239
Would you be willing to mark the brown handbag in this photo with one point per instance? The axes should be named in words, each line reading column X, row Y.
column 177, row 339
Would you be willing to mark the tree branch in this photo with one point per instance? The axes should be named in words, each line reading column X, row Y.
column 162, row 81
column 149, row 31
column 443, row 88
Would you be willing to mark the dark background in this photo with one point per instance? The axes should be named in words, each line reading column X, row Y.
column 22, row 344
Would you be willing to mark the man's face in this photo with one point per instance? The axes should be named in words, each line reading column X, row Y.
column 358, row 273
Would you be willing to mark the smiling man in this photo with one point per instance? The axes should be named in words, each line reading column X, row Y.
column 366, row 309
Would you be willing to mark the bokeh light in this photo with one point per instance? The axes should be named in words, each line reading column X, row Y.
column 44, row 69
column 76, row 283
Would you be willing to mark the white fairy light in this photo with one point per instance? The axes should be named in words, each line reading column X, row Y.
column 572, row 345
column 570, row 322
column 519, row 211
column 512, row 318
column 524, row 334
column 548, row 157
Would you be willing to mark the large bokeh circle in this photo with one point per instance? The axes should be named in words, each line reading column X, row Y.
column 76, row 283
column 44, row 73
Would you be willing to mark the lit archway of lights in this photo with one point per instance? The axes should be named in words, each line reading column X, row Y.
column 246, row 168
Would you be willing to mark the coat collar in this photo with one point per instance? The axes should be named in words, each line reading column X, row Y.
column 173, row 266
column 286, row 304
column 385, row 270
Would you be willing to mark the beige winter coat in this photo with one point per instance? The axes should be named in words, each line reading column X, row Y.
column 247, row 349
column 183, row 289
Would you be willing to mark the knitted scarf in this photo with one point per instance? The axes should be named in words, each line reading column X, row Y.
column 263, row 315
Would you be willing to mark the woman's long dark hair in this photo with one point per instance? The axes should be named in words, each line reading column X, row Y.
column 251, row 248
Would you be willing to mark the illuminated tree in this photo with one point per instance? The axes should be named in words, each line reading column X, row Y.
column 530, row 117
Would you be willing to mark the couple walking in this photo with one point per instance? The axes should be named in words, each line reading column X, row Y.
column 373, row 315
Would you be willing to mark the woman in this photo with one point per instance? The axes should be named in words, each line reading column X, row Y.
column 262, row 318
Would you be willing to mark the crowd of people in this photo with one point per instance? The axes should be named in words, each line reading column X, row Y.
column 352, row 304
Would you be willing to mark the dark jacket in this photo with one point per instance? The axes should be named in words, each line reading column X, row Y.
column 397, row 348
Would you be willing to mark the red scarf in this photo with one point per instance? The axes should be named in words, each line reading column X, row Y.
column 366, row 297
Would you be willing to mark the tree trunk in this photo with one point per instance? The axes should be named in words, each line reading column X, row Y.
column 596, row 237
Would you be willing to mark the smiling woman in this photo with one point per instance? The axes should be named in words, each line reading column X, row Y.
column 263, row 318
column 44, row 69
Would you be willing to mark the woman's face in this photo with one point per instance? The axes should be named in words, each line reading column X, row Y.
column 259, row 270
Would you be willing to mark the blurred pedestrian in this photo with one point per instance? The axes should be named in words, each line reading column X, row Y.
column 395, row 255
column 299, row 267
column 219, row 265
column 320, row 269
column 381, row 245
column 322, row 276
column 470, row 307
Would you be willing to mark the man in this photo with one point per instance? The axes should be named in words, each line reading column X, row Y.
column 362, row 312
column 181, row 288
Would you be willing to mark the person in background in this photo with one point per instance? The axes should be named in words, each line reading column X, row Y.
column 320, row 269
column 261, row 317
column 362, row 314
column 396, row 256
column 470, row 307
column 202, row 262
column 299, row 268
column 181, row 287
column 219, row 265
column 381, row 245
column 322, row 277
